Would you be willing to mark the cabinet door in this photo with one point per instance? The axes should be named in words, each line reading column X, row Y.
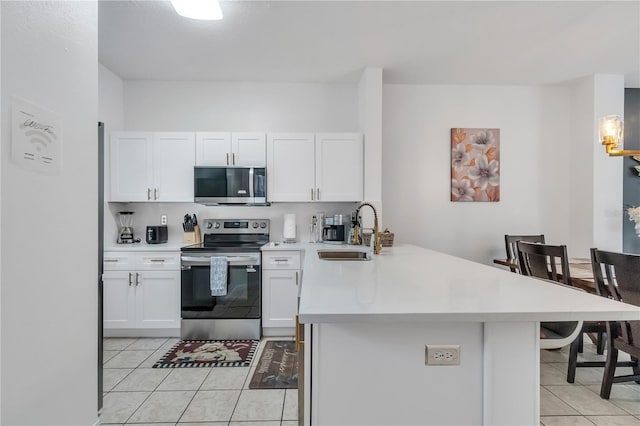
column 173, row 162
column 279, row 298
column 118, row 299
column 130, row 168
column 213, row 149
column 158, row 299
column 290, row 167
column 248, row 149
column 339, row 167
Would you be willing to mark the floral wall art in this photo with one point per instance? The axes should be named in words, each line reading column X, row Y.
column 475, row 164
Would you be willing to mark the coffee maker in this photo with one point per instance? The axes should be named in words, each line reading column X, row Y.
column 334, row 229
column 125, row 232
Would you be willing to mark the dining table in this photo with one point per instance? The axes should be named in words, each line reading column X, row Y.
column 579, row 269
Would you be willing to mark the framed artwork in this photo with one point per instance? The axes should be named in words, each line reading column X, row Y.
column 475, row 165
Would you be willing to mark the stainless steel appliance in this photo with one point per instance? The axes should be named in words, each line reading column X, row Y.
column 230, row 185
column 157, row 234
column 236, row 315
column 125, row 232
column 334, row 229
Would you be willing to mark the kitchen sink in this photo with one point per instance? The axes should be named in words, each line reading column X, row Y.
column 342, row 255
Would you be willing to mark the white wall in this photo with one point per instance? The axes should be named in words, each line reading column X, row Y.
column 49, row 246
column 229, row 106
column 240, row 106
column 534, row 170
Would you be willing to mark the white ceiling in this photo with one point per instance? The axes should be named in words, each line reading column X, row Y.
column 453, row 42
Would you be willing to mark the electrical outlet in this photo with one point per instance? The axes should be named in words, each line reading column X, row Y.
column 163, row 219
column 442, row 355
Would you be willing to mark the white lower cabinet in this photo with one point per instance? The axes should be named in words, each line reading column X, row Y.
column 146, row 295
column 280, row 284
column 279, row 298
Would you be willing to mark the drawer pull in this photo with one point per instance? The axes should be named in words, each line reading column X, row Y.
column 157, row 260
column 111, row 260
column 280, row 260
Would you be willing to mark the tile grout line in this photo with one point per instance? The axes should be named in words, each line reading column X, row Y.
column 150, row 393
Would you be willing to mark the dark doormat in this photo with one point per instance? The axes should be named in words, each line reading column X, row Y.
column 277, row 367
column 209, row 353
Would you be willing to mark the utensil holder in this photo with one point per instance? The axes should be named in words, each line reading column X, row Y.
column 192, row 237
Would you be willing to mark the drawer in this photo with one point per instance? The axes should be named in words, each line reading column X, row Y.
column 151, row 261
column 281, row 259
column 119, row 261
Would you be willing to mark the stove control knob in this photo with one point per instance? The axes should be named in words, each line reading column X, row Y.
column 263, row 225
column 255, row 225
column 209, row 225
column 216, row 225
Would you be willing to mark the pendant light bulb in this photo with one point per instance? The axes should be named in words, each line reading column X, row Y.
column 206, row 10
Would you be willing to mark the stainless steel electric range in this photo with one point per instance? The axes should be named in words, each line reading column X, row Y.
column 237, row 314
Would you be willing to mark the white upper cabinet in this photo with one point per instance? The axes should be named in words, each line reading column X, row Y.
column 173, row 166
column 230, row 149
column 339, row 167
column 321, row 167
column 291, row 167
column 152, row 166
column 131, row 172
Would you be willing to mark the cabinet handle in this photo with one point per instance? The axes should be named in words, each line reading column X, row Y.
column 296, row 277
column 227, row 158
column 111, row 260
column 130, row 279
column 318, row 194
column 280, row 260
column 155, row 193
column 148, row 193
column 311, row 194
column 157, row 260
column 233, row 157
column 137, row 279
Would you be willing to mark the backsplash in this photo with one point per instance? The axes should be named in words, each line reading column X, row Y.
column 150, row 214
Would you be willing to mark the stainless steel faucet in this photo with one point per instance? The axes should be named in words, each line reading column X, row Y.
column 377, row 240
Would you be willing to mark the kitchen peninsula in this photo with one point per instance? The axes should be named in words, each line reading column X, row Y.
column 367, row 324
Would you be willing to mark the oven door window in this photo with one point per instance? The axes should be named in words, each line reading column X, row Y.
column 242, row 299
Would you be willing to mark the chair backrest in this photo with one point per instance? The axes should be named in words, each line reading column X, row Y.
column 510, row 242
column 617, row 276
column 544, row 261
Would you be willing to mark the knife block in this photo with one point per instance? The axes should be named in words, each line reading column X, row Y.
column 193, row 237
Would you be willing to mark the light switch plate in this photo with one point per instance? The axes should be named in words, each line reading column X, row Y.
column 163, row 219
column 442, row 355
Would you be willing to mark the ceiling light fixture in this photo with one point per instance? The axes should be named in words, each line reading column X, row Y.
column 611, row 131
column 207, row 10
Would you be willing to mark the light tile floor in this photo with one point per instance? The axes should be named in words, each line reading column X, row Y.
column 137, row 393
column 579, row 403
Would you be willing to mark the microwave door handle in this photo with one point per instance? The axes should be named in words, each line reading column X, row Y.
column 251, row 195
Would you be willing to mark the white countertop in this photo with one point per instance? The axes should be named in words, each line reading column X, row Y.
column 143, row 246
column 409, row 283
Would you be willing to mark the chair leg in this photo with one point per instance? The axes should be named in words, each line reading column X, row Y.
column 636, row 368
column 609, row 371
column 573, row 359
column 601, row 343
column 581, row 343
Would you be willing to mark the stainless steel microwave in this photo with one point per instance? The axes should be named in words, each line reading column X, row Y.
column 230, row 185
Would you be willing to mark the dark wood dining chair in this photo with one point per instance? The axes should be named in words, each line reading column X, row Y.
column 549, row 263
column 510, row 242
column 617, row 276
column 544, row 261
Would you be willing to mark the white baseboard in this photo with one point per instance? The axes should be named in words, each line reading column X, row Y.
column 288, row 332
column 141, row 332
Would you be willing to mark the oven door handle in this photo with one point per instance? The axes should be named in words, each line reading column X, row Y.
column 231, row 260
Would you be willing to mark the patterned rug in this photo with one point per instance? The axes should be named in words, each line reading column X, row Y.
column 277, row 367
column 209, row 353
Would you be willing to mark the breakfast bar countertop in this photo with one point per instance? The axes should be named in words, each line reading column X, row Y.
column 410, row 283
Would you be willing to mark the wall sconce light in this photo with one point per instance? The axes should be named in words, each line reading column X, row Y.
column 611, row 130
